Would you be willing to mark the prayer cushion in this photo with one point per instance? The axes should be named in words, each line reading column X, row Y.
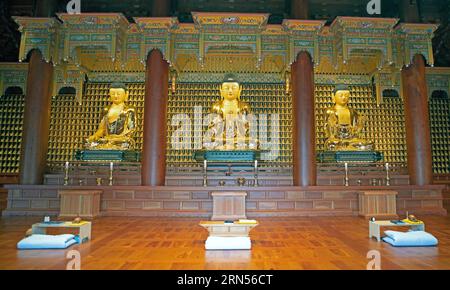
column 47, row 242
column 410, row 239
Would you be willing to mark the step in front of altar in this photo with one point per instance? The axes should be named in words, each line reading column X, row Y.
column 172, row 201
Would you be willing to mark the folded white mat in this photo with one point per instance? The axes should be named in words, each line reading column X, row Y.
column 47, row 242
column 228, row 243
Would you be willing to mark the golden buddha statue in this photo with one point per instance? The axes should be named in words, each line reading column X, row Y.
column 344, row 125
column 230, row 123
column 117, row 125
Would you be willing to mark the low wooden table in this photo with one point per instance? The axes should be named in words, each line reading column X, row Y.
column 221, row 229
column 228, row 236
column 375, row 227
column 83, row 227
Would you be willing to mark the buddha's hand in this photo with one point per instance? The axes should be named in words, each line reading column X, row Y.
column 91, row 139
column 115, row 137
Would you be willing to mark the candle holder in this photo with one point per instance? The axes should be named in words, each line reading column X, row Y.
column 205, row 174
column 346, row 173
column 111, row 168
column 66, row 173
column 388, row 179
column 256, row 174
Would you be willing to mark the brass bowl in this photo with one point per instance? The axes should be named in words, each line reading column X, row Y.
column 412, row 218
column 241, row 181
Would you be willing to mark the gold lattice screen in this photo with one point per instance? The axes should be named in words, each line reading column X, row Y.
column 385, row 125
column 11, row 125
column 440, row 133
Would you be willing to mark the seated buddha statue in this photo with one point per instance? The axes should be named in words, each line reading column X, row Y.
column 118, row 123
column 231, row 122
column 344, row 125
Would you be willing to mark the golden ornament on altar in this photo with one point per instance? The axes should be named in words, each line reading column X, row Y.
column 29, row 232
column 344, row 125
column 117, row 125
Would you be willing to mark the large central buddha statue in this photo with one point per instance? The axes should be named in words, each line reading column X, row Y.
column 117, row 125
column 344, row 125
column 231, row 123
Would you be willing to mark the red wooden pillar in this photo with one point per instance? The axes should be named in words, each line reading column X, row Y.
column 153, row 161
column 417, row 122
column 36, row 121
column 304, row 132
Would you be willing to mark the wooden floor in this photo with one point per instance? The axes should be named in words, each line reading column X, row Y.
column 288, row 243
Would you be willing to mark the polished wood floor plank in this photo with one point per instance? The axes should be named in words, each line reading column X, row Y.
column 178, row 244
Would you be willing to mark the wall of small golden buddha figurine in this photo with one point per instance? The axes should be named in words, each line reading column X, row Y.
column 11, row 125
column 439, row 106
column 72, row 122
column 66, row 128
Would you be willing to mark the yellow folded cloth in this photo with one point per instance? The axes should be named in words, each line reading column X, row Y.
column 411, row 222
column 245, row 221
column 77, row 225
